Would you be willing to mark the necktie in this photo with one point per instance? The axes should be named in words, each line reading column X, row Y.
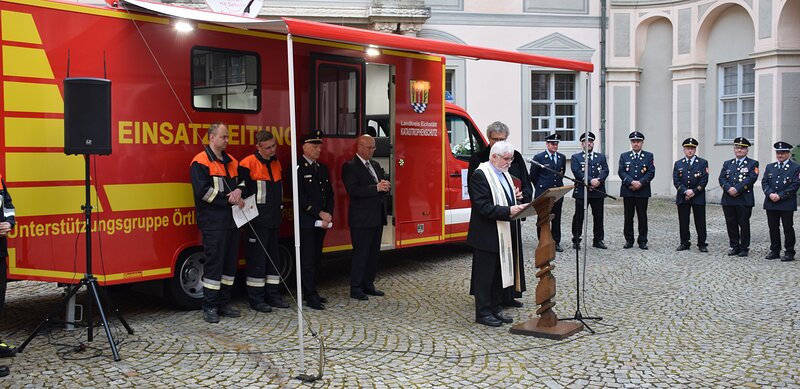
column 591, row 156
column 371, row 172
column 780, row 166
column 553, row 158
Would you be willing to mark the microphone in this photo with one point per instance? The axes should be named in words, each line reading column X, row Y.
column 533, row 161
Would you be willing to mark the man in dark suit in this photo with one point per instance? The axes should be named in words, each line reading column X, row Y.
column 690, row 177
column 497, row 132
column 315, row 196
column 598, row 173
column 780, row 183
column 491, row 234
column 544, row 179
column 636, row 170
column 736, row 179
column 363, row 179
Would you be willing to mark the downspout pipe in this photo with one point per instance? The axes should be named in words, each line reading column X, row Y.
column 603, row 29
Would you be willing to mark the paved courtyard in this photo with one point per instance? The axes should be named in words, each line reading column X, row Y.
column 670, row 319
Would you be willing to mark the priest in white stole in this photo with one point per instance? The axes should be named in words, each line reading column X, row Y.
column 491, row 233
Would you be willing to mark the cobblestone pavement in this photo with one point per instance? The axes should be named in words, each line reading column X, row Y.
column 670, row 319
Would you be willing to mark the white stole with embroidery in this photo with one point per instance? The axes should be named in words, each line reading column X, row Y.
column 503, row 227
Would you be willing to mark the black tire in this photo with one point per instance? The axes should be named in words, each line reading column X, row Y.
column 185, row 289
column 287, row 260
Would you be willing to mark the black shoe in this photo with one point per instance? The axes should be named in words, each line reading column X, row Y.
column 277, row 302
column 559, row 249
column 733, row 252
column 4, row 371
column 210, row 315
column 7, row 350
column 787, row 258
column 374, row 292
column 628, row 245
column 682, row 247
column 576, row 243
column 600, row 245
column 323, row 300
column 503, row 317
column 744, row 252
column 773, row 255
column 643, row 246
column 703, row 248
column 261, row 307
column 359, row 296
column 229, row 311
column 512, row 304
column 315, row 303
column 489, row 320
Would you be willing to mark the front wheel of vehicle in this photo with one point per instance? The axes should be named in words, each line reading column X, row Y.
column 185, row 288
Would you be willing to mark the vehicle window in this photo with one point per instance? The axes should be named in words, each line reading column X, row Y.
column 338, row 108
column 225, row 80
column 464, row 138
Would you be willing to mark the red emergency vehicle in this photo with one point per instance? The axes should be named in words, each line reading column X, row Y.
column 169, row 85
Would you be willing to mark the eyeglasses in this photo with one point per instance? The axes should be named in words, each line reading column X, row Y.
column 507, row 159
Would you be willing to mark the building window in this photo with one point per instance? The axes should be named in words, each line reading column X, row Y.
column 554, row 106
column 737, row 100
column 225, row 80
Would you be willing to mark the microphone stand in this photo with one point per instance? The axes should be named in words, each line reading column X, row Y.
column 584, row 185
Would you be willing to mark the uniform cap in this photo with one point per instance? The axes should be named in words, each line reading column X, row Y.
column 690, row 142
column 315, row 138
column 636, row 135
column 553, row 138
column 782, row 146
column 591, row 136
column 742, row 141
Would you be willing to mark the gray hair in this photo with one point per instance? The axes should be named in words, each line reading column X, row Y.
column 497, row 127
column 502, row 148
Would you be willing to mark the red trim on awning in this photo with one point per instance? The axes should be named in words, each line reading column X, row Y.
column 368, row 37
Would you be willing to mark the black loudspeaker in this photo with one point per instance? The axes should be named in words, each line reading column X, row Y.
column 87, row 116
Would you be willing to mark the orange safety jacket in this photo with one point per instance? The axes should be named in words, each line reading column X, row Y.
column 263, row 178
column 212, row 181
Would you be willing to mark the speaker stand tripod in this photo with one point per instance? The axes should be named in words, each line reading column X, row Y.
column 90, row 282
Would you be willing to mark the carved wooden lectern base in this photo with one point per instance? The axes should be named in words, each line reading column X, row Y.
column 547, row 324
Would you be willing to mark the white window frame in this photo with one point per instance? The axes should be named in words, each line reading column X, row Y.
column 739, row 97
column 552, row 102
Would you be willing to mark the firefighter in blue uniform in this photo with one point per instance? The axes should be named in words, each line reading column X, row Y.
column 544, row 179
column 315, row 196
column 737, row 177
column 636, row 170
column 780, row 183
column 690, row 177
column 598, row 173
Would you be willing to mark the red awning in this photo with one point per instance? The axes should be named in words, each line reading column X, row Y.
column 368, row 37
column 359, row 36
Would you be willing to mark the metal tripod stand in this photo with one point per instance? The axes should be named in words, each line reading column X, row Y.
column 88, row 280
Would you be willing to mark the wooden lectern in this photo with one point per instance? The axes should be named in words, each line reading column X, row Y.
column 547, row 324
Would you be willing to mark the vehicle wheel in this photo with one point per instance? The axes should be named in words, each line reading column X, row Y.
column 287, row 269
column 185, row 288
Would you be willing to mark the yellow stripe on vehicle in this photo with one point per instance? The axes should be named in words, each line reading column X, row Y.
column 34, row 132
column 19, row 27
column 138, row 197
column 26, row 62
column 420, row 240
column 66, row 276
column 44, row 167
column 52, row 200
column 331, row 249
column 31, row 97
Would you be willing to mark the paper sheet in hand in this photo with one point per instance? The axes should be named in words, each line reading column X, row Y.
column 247, row 213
